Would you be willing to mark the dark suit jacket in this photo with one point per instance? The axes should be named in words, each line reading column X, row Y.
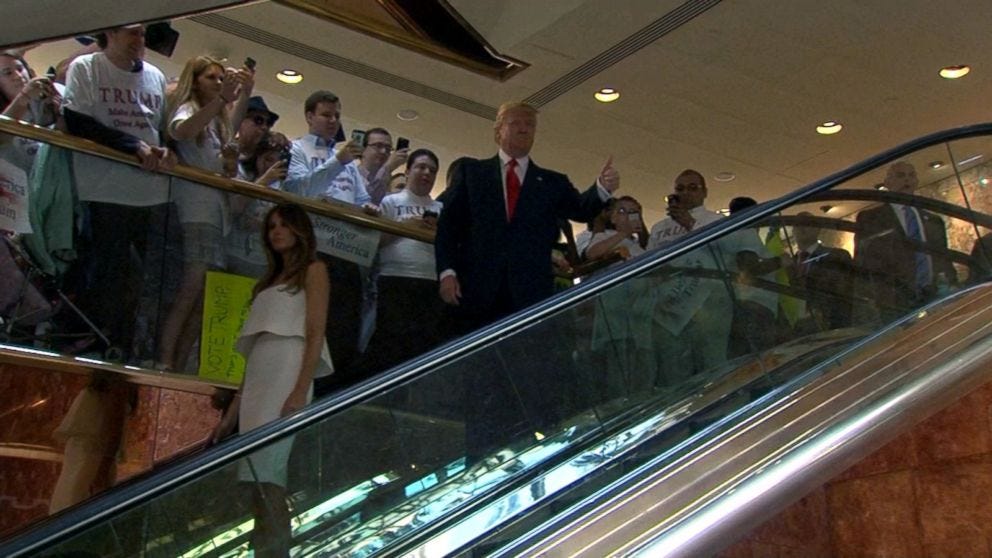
column 505, row 266
column 828, row 277
column 887, row 256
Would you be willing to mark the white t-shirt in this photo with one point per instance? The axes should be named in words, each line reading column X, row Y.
column 405, row 257
column 132, row 102
column 680, row 296
column 195, row 202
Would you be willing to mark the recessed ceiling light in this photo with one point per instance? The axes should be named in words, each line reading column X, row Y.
column 607, row 95
column 935, row 164
column 826, row 208
column 984, row 181
column 725, row 176
column 407, row 115
column 954, row 72
column 880, row 186
column 829, row 127
column 291, row 77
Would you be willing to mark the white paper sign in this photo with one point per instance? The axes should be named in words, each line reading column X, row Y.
column 13, row 199
column 345, row 241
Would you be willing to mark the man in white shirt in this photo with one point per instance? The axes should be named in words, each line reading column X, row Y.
column 319, row 168
column 692, row 313
column 116, row 98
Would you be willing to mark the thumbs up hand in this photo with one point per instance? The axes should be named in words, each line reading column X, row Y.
column 609, row 177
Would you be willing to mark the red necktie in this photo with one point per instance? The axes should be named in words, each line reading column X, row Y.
column 512, row 188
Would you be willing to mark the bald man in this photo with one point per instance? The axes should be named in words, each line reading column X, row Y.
column 898, row 247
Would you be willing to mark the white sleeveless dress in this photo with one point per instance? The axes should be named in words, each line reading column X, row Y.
column 272, row 342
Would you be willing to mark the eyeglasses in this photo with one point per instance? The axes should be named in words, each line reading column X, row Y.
column 381, row 146
column 691, row 187
column 259, row 120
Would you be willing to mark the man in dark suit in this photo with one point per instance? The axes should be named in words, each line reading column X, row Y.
column 493, row 252
column 500, row 220
column 827, row 275
column 888, row 248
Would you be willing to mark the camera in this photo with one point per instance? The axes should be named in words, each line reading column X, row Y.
column 672, row 200
column 402, row 143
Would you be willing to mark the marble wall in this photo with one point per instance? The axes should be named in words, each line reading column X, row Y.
column 160, row 425
column 928, row 493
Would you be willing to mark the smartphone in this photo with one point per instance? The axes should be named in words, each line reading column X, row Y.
column 402, row 143
column 250, row 63
column 634, row 217
column 285, row 156
column 358, row 136
column 672, row 200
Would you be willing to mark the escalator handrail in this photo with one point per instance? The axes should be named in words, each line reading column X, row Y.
column 102, row 507
column 743, row 476
column 202, row 178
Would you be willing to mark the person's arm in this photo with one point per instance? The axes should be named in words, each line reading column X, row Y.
column 305, row 182
column 246, row 78
column 85, row 126
column 189, row 122
column 452, row 228
column 228, row 420
column 603, row 247
column 317, row 288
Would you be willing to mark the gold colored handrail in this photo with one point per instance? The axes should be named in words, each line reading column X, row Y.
column 334, row 210
column 47, row 360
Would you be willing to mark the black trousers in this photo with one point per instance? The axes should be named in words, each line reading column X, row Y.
column 343, row 323
column 408, row 313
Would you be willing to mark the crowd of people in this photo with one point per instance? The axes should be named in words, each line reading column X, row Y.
column 496, row 224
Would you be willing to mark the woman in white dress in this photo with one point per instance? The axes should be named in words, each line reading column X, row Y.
column 284, row 348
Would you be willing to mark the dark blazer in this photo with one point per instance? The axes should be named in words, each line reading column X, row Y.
column 505, row 266
column 887, row 257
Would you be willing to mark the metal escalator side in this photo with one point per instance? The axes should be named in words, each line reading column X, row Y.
column 452, row 447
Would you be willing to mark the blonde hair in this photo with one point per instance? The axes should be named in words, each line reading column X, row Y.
column 185, row 93
column 506, row 108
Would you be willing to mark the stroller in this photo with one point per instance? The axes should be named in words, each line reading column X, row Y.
column 30, row 300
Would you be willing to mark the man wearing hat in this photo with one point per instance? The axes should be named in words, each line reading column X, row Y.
column 257, row 122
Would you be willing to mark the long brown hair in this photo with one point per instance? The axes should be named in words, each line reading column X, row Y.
column 300, row 256
column 185, row 92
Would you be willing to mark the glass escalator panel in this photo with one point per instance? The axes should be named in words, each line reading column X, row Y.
column 645, row 360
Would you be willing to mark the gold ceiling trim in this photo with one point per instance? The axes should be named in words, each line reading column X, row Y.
column 416, row 40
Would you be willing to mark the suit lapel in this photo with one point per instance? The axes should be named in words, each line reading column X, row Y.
column 494, row 190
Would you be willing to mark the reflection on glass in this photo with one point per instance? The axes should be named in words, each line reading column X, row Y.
column 668, row 357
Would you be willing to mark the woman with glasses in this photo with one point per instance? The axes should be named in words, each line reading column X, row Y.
column 622, row 318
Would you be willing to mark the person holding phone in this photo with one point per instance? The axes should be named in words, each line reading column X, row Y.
column 207, row 105
column 379, row 160
column 625, row 232
column 322, row 169
column 408, row 307
column 691, row 312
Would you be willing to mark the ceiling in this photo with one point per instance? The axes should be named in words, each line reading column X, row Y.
column 720, row 86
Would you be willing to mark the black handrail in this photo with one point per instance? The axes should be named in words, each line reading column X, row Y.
column 78, row 519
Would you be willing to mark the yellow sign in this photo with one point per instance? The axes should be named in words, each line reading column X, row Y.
column 226, row 301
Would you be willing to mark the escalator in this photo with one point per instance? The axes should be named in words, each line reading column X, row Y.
column 548, row 433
